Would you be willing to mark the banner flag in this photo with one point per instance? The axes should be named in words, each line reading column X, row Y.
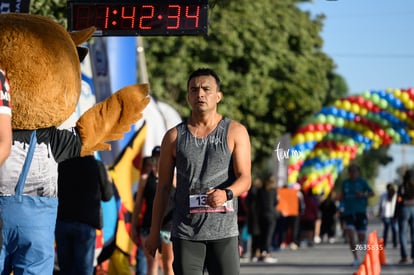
column 125, row 171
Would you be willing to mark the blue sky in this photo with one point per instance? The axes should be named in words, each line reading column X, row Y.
column 372, row 44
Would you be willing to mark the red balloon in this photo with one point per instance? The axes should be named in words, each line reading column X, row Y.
column 369, row 105
column 319, row 127
column 360, row 100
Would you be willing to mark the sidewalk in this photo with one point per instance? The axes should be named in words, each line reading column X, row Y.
column 324, row 258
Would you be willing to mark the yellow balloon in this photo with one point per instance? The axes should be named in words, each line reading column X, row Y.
column 359, row 127
column 346, row 105
column 351, row 125
column 338, row 103
column 355, row 108
column 409, row 104
column 346, row 161
column 312, row 154
column 363, row 111
column 404, row 97
column 318, row 136
column 328, row 189
column 369, row 134
column 309, row 136
column 312, row 177
column 403, row 116
column 318, row 189
column 397, row 92
column 298, row 139
column 292, row 178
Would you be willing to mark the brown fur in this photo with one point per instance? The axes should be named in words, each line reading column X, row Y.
column 42, row 64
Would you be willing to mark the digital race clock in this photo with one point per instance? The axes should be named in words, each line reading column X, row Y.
column 139, row 17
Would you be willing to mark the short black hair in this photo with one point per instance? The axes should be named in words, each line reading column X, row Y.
column 354, row 167
column 205, row 72
column 156, row 151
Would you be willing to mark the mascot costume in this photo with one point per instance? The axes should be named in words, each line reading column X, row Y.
column 42, row 63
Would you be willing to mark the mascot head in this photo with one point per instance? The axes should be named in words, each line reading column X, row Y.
column 42, row 63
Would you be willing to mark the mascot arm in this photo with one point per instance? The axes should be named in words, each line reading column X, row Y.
column 111, row 118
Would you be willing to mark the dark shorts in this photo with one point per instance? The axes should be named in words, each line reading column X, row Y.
column 219, row 257
column 358, row 221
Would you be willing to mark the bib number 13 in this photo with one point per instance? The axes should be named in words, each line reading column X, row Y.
column 198, row 201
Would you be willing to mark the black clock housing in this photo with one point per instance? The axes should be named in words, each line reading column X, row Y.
column 139, row 17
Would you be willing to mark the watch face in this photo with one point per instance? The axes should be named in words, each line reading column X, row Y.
column 229, row 194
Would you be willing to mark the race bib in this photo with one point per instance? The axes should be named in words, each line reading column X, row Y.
column 198, row 205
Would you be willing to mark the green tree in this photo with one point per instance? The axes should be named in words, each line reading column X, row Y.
column 269, row 55
column 337, row 89
column 55, row 9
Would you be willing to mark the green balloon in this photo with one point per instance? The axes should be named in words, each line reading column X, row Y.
column 375, row 98
column 383, row 103
column 321, row 118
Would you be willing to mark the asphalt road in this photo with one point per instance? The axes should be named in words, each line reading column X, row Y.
column 325, row 258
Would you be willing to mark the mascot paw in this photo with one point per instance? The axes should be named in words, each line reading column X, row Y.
column 110, row 119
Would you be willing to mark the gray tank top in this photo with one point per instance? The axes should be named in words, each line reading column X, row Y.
column 203, row 164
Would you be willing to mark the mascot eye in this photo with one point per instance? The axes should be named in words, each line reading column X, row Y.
column 82, row 52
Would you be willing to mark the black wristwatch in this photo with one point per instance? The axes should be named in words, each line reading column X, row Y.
column 229, row 194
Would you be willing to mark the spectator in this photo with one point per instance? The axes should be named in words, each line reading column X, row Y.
column 405, row 214
column 253, row 225
column 6, row 128
column 309, row 217
column 267, row 202
column 288, row 224
column 140, row 259
column 5, row 118
column 242, row 223
column 83, row 183
column 328, row 211
column 146, row 193
column 387, row 205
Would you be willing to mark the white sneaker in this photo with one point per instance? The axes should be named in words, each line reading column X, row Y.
column 293, row 246
column 270, row 260
column 317, row 239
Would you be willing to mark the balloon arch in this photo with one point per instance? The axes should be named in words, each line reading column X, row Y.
column 329, row 140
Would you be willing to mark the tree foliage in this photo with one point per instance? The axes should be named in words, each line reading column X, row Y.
column 269, row 56
column 55, row 9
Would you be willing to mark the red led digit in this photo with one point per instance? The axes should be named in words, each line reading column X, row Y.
column 145, row 9
column 82, row 17
column 100, row 17
column 128, row 12
column 106, row 18
column 192, row 16
column 174, row 18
